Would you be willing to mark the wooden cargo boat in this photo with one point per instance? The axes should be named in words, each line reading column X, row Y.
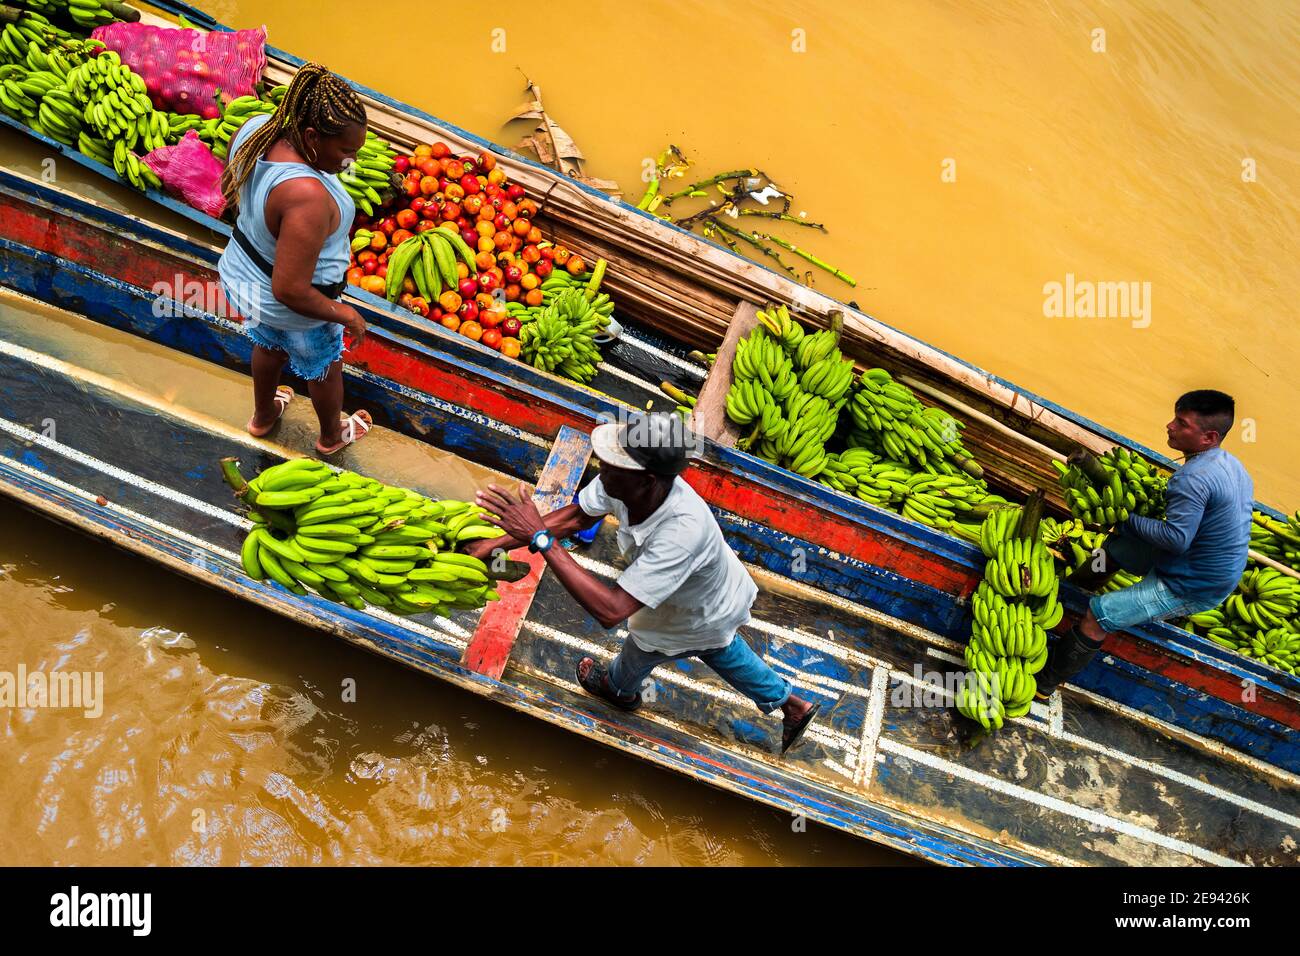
column 1085, row 780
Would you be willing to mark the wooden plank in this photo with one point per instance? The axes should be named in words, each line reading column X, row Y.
column 710, row 416
column 489, row 649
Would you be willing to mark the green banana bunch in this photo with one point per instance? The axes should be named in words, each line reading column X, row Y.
column 784, row 329
column 588, row 283
column 1122, row 484
column 888, row 415
column 359, row 542
column 1012, row 609
column 560, row 337
column 89, row 14
column 429, row 257
column 1279, row 540
column 937, row 500
column 368, row 180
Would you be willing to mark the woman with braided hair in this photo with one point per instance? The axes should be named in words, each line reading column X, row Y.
column 284, row 267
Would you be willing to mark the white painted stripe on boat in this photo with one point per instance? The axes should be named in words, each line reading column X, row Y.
column 1056, row 714
column 668, row 357
column 629, row 377
column 1214, row 746
column 122, row 475
column 1209, row 789
column 159, row 526
column 1090, row 816
column 871, row 725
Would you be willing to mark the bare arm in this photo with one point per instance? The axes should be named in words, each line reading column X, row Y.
column 300, row 213
column 561, row 523
column 520, row 520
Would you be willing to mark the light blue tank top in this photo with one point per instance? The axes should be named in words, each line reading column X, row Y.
column 246, row 286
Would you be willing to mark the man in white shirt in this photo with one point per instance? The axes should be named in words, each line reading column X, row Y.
column 684, row 592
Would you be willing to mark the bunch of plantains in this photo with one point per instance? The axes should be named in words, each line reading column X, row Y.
column 359, row 542
column 1014, row 606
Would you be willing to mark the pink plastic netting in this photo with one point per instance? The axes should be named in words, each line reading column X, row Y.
column 186, row 70
column 191, row 173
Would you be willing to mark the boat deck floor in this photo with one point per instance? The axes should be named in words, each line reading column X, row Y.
column 87, row 413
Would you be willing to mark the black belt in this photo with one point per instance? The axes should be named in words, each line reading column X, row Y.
column 331, row 291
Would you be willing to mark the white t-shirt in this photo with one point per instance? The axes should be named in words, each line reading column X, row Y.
column 696, row 592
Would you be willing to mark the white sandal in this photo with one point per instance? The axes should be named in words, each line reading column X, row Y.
column 283, row 396
column 355, row 427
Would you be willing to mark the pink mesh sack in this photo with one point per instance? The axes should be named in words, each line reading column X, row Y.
column 191, row 173
column 185, row 71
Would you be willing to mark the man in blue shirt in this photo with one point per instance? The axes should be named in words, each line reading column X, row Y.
column 1191, row 560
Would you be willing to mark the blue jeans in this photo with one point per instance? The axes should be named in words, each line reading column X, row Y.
column 1151, row 599
column 736, row 663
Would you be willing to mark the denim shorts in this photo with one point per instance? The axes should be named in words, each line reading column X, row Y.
column 1151, row 599
column 311, row 352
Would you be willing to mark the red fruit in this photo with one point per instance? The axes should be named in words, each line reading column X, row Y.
column 450, row 210
column 425, row 225
column 491, row 338
column 440, row 150
column 548, row 252
column 389, row 226
column 511, row 327
column 470, row 164
column 461, row 222
column 417, row 205
column 401, row 164
column 470, row 184
column 499, row 202
column 432, row 211
column 470, row 237
column 515, row 192
column 407, row 218
column 487, row 281
column 468, row 288
column 411, row 185
column 210, row 112
column 501, row 222
column 514, row 273
column 472, row 205
column 370, row 266
column 544, row 268
column 468, row 312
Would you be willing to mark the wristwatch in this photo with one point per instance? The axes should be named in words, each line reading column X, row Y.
column 542, row 541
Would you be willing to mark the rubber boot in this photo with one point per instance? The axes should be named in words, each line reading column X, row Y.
column 1072, row 653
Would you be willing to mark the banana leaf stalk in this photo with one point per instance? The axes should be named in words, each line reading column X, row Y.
column 1031, row 516
column 784, row 217
column 753, row 240
column 790, row 247
column 711, row 181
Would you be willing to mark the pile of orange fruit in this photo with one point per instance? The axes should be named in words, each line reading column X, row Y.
column 494, row 216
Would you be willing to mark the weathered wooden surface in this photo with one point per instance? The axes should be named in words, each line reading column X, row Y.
column 489, row 648
column 710, row 416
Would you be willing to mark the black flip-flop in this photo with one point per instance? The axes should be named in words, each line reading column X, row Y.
column 791, row 735
column 596, row 683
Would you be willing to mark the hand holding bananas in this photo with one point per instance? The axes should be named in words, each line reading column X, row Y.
column 360, row 542
column 1013, row 608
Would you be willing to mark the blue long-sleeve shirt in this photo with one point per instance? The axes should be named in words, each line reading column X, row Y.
column 1202, row 541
